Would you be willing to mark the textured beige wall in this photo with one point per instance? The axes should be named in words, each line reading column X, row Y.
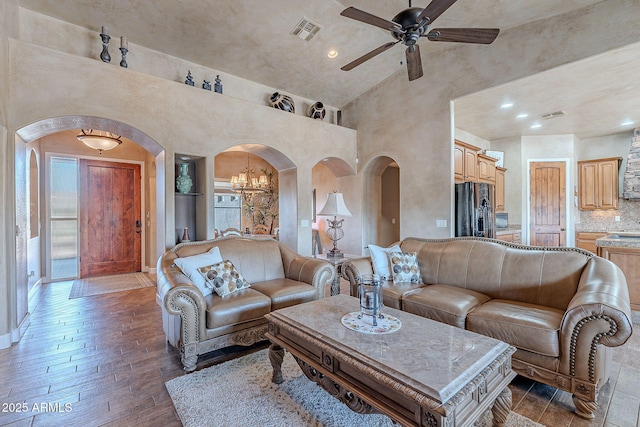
column 410, row 121
column 46, row 82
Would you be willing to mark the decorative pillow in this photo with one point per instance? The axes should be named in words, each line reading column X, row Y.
column 190, row 265
column 223, row 278
column 404, row 267
column 380, row 260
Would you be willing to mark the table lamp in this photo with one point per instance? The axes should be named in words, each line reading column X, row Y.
column 334, row 206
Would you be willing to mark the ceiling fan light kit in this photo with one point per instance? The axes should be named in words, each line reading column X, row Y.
column 408, row 26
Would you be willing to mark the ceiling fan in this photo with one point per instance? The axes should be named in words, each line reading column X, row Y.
column 409, row 25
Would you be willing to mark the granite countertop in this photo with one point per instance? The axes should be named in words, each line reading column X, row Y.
column 515, row 228
column 620, row 239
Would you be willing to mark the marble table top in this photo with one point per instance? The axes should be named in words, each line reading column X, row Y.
column 425, row 354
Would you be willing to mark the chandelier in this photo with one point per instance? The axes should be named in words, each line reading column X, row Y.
column 99, row 140
column 247, row 183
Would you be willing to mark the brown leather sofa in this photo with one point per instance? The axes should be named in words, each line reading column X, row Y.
column 562, row 308
column 197, row 324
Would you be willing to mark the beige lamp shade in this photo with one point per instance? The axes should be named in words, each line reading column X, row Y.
column 334, row 206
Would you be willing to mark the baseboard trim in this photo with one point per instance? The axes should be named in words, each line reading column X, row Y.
column 151, row 270
column 5, row 340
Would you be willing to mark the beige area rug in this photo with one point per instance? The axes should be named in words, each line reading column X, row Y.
column 240, row 393
column 108, row 284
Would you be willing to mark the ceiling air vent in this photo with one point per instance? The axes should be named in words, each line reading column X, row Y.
column 306, row 29
column 553, row 115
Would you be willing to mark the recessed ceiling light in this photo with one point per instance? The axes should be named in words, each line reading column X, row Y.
column 627, row 123
column 536, row 126
column 332, row 53
column 506, row 105
column 522, row 116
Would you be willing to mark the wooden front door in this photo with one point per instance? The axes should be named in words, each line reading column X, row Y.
column 110, row 221
column 548, row 204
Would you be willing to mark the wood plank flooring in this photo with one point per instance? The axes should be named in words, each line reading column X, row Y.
column 103, row 361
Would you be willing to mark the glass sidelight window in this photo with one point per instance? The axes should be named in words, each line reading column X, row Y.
column 63, row 218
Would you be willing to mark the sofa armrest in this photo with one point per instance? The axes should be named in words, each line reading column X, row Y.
column 353, row 268
column 308, row 270
column 182, row 298
column 598, row 314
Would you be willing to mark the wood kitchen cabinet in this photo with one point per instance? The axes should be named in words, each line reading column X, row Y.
column 598, row 184
column 628, row 259
column 465, row 162
column 500, row 190
column 587, row 240
column 486, row 169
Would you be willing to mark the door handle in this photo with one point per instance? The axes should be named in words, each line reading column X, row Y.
column 138, row 226
column 562, row 229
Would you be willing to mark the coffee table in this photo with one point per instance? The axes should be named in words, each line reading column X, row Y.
column 424, row 374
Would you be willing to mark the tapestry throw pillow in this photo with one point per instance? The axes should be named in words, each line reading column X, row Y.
column 380, row 260
column 404, row 267
column 190, row 265
column 223, row 278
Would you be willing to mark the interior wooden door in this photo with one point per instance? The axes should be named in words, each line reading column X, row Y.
column 548, row 204
column 110, row 221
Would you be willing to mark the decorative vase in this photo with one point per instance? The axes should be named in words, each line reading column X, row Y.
column 184, row 182
column 217, row 87
column 317, row 111
column 185, row 235
column 282, row 102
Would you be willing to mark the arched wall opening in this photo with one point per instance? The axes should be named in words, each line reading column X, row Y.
column 381, row 201
column 232, row 160
column 45, row 136
column 329, row 175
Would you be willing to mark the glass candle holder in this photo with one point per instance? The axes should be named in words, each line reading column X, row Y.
column 370, row 289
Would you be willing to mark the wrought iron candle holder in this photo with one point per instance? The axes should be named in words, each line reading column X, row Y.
column 104, row 55
column 371, row 305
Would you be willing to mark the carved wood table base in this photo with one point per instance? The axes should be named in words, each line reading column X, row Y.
column 426, row 374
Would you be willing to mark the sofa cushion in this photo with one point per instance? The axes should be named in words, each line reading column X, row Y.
column 393, row 293
column 190, row 266
column 380, row 260
column 223, row 278
column 239, row 307
column 404, row 267
column 444, row 303
column 527, row 326
column 285, row 292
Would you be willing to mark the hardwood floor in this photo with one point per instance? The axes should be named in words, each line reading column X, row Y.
column 103, row 361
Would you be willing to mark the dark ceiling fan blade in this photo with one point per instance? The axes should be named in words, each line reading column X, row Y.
column 367, row 18
column 433, row 11
column 368, row 56
column 463, row 35
column 414, row 62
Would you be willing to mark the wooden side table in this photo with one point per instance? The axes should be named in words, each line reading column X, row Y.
column 337, row 265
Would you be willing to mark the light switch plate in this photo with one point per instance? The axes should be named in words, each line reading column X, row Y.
column 304, row 223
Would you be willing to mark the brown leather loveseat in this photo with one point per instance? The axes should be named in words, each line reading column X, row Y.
column 562, row 308
column 196, row 323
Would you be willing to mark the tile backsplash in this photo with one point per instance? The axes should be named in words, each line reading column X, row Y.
column 628, row 211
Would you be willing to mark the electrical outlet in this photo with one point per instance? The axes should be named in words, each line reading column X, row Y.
column 304, row 223
column 616, row 218
column 441, row 223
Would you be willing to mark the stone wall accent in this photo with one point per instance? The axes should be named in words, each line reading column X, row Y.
column 631, row 185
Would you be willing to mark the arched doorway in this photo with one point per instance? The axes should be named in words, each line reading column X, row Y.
column 330, row 175
column 281, row 212
column 381, row 201
column 32, row 139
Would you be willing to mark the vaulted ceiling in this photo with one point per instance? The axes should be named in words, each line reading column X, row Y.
column 251, row 39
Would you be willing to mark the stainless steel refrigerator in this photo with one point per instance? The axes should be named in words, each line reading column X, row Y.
column 475, row 210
